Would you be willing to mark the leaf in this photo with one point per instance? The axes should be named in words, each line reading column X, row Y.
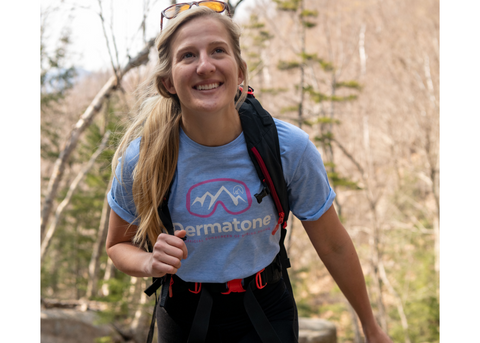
column 287, row 65
column 344, row 98
column 265, row 35
column 326, row 66
column 338, row 180
column 326, row 120
column 293, row 108
column 287, row 5
column 352, row 84
column 308, row 57
column 308, row 24
column 273, row 91
column 309, row 13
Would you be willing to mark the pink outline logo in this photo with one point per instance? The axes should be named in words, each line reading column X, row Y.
column 232, row 193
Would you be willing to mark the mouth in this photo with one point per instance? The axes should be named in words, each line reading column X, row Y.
column 208, row 86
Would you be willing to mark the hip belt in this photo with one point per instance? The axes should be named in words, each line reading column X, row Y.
column 268, row 275
column 198, row 332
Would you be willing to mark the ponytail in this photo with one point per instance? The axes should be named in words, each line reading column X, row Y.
column 158, row 125
column 156, row 165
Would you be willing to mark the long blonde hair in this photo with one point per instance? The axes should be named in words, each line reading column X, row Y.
column 157, row 122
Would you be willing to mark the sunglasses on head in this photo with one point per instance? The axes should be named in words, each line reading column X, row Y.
column 172, row 11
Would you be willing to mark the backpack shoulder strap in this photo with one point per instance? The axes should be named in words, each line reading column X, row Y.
column 263, row 146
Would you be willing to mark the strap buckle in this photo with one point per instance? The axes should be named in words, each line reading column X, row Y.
column 234, row 286
column 258, row 279
column 198, row 288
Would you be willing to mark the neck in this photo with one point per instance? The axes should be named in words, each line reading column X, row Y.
column 211, row 129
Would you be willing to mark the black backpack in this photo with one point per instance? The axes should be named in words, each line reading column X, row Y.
column 263, row 147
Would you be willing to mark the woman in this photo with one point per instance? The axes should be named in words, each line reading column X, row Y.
column 188, row 135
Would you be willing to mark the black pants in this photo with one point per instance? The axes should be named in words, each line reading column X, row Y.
column 229, row 321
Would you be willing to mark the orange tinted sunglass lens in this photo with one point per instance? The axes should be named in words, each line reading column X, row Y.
column 173, row 11
column 216, row 6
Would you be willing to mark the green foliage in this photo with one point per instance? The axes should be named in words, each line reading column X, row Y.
column 255, row 23
column 65, row 270
column 274, row 91
column 293, row 108
column 56, row 77
column 344, row 98
column 105, row 339
column 318, row 97
column 308, row 24
column 352, row 84
column 265, row 35
column 322, row 120
column 326, row 66
column 337, row 180
column 325, row 138
column 309, row 13
column 308, row 57
column 413, row 276
column 287, row 5
column 287, row 65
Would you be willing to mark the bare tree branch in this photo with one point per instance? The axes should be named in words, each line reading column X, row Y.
column 115, row 68
column 401, row 312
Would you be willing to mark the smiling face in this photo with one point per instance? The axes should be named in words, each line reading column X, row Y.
column 205, row 75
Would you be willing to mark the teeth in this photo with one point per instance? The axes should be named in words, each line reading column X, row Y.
column 205, row 87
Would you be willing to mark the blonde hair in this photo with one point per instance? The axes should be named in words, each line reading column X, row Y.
column 157, row 121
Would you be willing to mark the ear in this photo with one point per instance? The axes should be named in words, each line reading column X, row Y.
column 241, row 77
column 167, row 83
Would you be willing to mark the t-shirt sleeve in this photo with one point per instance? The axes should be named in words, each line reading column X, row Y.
column 120, row 197
column 309, row 191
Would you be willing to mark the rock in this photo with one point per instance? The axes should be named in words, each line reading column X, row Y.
column 72, row 326
column 315, row 330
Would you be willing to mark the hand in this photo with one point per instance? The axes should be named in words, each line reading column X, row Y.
column 168, row 253
column 377, row 336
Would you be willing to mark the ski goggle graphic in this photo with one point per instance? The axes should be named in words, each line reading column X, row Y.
column 204, row 198
column 172, row 11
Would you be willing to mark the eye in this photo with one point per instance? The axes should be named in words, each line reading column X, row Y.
column 187, row 55
column 218, row 50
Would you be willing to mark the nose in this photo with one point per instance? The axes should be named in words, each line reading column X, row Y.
column 205, row 65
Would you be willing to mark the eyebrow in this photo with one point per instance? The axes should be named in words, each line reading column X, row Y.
column 188, row 47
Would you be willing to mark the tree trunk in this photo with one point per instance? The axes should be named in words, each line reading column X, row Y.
column 109, row 273
column 84, row 122
column 93, row 267
column 73, row 187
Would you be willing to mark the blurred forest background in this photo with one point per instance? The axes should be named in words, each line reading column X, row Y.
column 361, row 77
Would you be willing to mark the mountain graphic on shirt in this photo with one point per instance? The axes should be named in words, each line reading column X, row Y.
column 213, row 198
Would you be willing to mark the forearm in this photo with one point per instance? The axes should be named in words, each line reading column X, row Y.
column 130, row 259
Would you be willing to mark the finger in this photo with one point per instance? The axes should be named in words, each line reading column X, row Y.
column 159, row 269
column 165, row 240
column 164, row 249
column 182, row 234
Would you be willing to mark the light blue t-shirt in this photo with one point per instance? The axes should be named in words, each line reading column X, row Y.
column 229, row 234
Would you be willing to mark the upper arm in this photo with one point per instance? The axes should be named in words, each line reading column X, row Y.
column 119, row 231
column 327, row 233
